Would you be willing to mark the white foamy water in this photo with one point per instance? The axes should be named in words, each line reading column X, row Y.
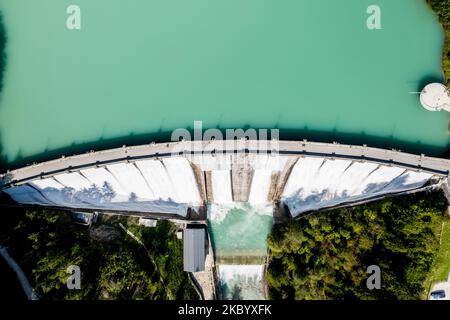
column 167, row 186
column 254, row 161
column 221, row 186
column 157, row 177
column 316, row 183
column 329, row 174
column 101, row 177
column 241, row 282
column 170, row 186
column 131, row 180
column 218, row 212
column 183, row 180
column 259, row 190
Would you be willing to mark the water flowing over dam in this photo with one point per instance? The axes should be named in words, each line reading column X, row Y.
column 238, row 233
column 240, row 282
column 241, row 192
column 166, row 186
column 175, row 184
column 312, row 70
column 239, row 220
column 315, row 183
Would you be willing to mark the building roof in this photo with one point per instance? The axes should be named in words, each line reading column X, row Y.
column 194, row 249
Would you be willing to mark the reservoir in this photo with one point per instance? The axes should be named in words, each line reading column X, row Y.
column 137, row 70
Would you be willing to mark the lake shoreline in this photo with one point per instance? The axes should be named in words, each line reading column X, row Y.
column 442, row 10
column 62, row 107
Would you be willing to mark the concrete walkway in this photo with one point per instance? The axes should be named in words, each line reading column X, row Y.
column 294, row 149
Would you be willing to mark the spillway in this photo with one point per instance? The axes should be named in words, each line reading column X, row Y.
column 260, row 186
column 170, row 185
column 238, row 233
column 238, row 282
column 238, row 192
column 167, row 186
column 221, row 186
column 316, row 183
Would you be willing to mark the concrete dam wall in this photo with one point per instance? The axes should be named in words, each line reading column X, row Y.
column 160, row 186
column 316, row 183
column 163, row 183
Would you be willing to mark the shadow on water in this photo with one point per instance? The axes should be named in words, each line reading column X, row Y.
column 2, row 71
column 2, row 52
column 285, row 134
column 429, row 79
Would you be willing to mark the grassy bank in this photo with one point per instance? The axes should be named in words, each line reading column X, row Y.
column 442, row 9
column 113, row 264
column 326, row 255
column 441, row 266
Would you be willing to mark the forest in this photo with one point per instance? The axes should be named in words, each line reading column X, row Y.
column 113, row 265
column 325, row 255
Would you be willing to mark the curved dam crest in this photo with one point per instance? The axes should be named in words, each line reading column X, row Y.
column 242, row 193
column 137, row 70
column 151, row 179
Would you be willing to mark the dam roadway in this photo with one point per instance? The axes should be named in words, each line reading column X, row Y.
column 432, row 165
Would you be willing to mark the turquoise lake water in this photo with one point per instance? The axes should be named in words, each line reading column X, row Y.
column 138, row 69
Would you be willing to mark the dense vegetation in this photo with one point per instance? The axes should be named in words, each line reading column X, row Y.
column 326, row 255
column 113, row 265
column 442, row 9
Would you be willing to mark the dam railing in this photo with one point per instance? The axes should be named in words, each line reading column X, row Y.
column 433, row 165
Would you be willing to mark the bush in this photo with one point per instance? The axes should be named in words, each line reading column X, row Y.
column 326, row 255
column 442, row 9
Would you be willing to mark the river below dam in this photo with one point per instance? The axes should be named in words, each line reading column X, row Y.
column 238, row 233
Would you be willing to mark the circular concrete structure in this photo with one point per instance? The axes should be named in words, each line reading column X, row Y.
column 435, row 97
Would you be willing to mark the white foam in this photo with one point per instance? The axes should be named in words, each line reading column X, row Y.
column 218, row 212
column 314, row 184
column 243, row 281
column 221, row 186
column 183, row 180
column 260, row 187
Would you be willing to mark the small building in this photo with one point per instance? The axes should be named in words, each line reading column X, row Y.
column 194, row 252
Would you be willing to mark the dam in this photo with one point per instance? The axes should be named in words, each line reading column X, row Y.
column 309, row 68
column 238, row 192
column 302, row 176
